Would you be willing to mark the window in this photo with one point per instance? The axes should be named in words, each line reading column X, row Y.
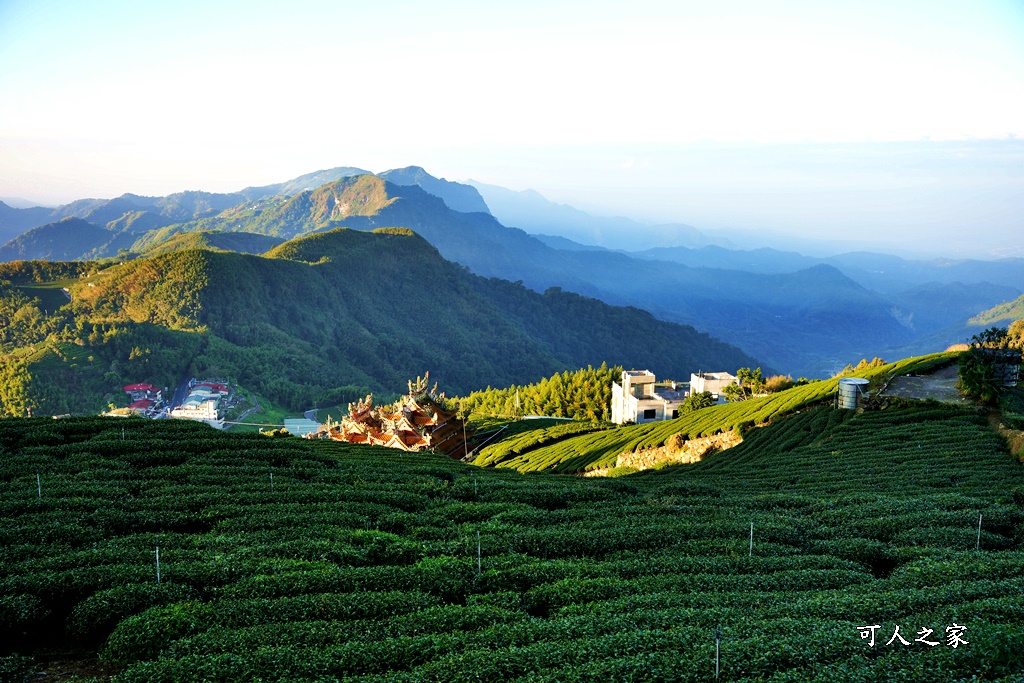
column 675, row 413
column 650, row 413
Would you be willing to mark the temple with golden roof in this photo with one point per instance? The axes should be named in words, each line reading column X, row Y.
column 416, row 422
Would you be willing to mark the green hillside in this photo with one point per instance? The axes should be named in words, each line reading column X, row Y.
column 534, row 451
column 289, row 560
column 1011, row 310
column 322, row 320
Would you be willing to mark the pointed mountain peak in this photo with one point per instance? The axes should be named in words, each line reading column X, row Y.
column 458, row 197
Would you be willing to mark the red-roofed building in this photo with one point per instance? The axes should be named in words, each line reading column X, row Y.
column 141, row 405
column 140, row 392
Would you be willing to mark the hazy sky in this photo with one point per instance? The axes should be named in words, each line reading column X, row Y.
column 728, row 114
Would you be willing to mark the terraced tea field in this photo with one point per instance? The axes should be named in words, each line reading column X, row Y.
column 559, row 449
column 286, row 560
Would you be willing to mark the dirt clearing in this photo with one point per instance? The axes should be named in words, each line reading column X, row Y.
column 940, row 385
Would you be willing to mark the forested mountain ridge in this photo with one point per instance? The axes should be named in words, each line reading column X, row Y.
column 800, row 315
column 180, row 207
column 323, row 318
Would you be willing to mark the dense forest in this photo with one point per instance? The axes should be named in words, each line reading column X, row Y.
column 585, row 394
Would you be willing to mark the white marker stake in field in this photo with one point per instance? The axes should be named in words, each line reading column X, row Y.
column 718, row 650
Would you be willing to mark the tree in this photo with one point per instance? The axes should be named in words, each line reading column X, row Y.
column 1015, row 335
column 980, row 378
column 702, row 399
column 749, row 384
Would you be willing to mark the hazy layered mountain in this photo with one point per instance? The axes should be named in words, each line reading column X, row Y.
column 961, row 330
column 808, row 316
column 938, row 305
column 808, row 322
column 531, row 211
column 65, row 240
column 19, row 203
column 892, row 273
column 309, row 181
column 476, row 240
column 457, row 196
column 762, row 260
column 883, row 272
column 556, row 242
column 14, row 221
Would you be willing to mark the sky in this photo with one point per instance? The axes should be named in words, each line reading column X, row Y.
column 895, row 123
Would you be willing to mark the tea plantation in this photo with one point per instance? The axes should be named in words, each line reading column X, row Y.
column 289, row 560
column 582, row 446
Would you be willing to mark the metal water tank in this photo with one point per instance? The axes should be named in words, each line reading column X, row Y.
column 850, row 390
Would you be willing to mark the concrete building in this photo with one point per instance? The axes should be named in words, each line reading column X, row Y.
column 715, row 382
column 193, row 409
column 201, row 406
column 639, row 398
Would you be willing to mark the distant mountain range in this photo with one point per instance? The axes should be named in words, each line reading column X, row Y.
column 797, row 314
column 532, row 212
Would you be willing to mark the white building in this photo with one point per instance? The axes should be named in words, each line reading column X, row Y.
column 199, row 408
column 639, row 399
column 715, row 382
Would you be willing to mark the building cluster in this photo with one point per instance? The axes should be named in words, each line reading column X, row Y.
column 640, row 398
column 203, row 403
column 416, row 422
column 145, row 399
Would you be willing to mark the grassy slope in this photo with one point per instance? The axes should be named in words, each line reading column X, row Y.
column 601, row 448
column 363, row 562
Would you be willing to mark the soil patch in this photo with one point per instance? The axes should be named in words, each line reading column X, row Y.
column 59, row 667
column 940, row 386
